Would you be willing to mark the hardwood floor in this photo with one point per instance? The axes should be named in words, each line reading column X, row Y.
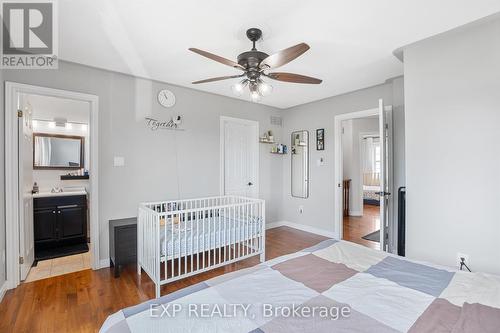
column 356, row 227
column 81, row 301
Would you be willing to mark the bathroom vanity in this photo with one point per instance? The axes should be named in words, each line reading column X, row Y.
column 60, row 224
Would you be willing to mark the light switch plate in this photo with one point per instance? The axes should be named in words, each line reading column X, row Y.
column 119, row 161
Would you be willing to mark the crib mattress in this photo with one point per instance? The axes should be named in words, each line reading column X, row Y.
column 190, row 238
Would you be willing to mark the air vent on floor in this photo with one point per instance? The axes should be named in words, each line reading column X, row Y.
column 276, row 120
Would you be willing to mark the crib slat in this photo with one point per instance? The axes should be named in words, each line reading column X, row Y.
column 219, row 233
column 185, row 244
column 209, row 239
column 192, row 240
column 204, row 241
column 239, row 231
column 178, row 237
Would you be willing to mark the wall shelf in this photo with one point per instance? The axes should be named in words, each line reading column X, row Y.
column 69, row 177
column 278, row 153
column 266, row 141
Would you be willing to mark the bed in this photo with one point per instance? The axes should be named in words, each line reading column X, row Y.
column 181, row 238
column 371, row 195
column 363, row 290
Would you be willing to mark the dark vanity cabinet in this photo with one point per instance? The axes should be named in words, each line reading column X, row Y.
column 60, row 221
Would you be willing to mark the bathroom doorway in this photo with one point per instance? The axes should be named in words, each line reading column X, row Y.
column 51, row 182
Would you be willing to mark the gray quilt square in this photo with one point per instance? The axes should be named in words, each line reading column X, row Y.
column 429, row 280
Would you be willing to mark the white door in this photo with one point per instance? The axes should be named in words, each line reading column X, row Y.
column 240, row 153
column 385, row 127
column 26, row 232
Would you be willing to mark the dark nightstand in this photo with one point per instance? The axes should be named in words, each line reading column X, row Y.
column 122, row 242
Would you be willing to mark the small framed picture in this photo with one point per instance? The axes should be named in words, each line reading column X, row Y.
column 320, row 139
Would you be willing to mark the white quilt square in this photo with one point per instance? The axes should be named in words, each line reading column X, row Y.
column 352, row 255
column 389, row 303
column 191, row 318
column 262, row 288
column 473, row 288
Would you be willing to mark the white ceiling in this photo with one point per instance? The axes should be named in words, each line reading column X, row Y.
column 351, row 40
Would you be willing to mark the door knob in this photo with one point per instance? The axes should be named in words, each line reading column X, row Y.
column 250, row 184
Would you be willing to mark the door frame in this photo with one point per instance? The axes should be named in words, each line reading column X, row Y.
column 12, row 90
column 256, row 153
column 338, row 225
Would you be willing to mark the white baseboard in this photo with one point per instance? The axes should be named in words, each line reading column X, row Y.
column 302, row 227
column 275, row 224
column 103, row 263
column 3, row 290
column 351, row 213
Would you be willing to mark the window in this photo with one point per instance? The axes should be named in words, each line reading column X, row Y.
column 377, row 158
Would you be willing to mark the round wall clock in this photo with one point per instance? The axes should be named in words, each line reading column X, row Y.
column 166, row 98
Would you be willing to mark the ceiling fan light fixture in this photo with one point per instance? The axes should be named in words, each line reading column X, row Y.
column 255, row 64
column 239, row 87
column 265, row 89
column 255, row 96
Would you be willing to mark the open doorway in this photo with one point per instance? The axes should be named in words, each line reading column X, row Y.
column 364, row 177
column 52, row 189
column 361, row 160
column 57, row 166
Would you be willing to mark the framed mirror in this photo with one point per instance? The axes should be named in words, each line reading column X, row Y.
column 300, row 164
column 54, row 151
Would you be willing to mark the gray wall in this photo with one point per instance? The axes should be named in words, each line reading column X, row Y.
column 320, row 206
column 151, row 170
column 452, row 92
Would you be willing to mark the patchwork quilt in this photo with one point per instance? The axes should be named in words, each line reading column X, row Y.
column 335, row 286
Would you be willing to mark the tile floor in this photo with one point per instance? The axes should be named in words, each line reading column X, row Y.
column 59, row 266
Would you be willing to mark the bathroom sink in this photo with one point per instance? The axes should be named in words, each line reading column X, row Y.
column 59, row 194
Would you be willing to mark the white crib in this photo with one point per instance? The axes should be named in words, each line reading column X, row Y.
column 180, row 238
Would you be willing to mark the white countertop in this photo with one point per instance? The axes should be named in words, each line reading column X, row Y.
column 59, row 194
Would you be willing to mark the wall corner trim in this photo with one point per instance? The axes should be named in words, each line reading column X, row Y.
column 104, row 263
column 3, row 290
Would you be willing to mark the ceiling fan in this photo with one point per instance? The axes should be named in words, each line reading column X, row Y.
column 256, row 64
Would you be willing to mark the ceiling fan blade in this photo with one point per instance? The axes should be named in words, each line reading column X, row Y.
column 218, row 78
column 295, row 78
column 217, row 58
column 284, row 56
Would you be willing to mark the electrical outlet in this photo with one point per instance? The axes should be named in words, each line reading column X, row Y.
column 466, row 259
column 301, row 209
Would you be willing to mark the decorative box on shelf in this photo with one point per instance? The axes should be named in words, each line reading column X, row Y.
column 265, row 140
column 268, row 137
column 279, row 149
